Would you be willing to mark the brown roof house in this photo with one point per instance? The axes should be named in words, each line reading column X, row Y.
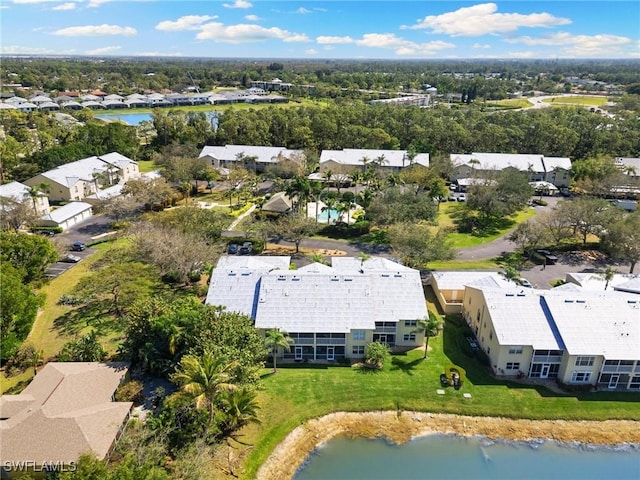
column 67, row 410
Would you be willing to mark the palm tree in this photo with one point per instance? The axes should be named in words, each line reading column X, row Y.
column 329, row 204
column 365, row 161
column 430, row 327
column 204, row 378
column 356, row 177
column 344, row 208
column 510, row 273
column 274, row 339
column 34, row 192
column 240, row 407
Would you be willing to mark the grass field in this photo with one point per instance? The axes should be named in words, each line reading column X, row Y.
column 581, row 100
column 146, row 166
column 511, row 103
column 407, row 382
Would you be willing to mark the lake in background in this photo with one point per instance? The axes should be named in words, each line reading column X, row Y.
column 451, row 457
column 136, row 118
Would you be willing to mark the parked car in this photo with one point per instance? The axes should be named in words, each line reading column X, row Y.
column 78, row 247
column 548, row 257
column 70, row 259
column 246, row 248
column 233, row 249
column 525, row 283
column 462, row 197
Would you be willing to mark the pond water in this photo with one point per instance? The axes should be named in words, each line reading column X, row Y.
column 136, row 118
column 445, row 457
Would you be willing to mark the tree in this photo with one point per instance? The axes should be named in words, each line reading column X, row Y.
column 417, row 245
column 203, row 378
column 294, row 228
column 240, row 408
column 589, row 216
column 501, row 196
column 430, row 327
column 375, row 353
column 607, row 275
column 16, row 215
column 622, row 239
column 274, row 339
column 511, row 274
column 84, row 349
column 528, row 236
column 18, row 309
column 29, row 254
column 152, row 194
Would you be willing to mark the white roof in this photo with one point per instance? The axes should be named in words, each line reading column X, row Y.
column 15, row 100
column 317, row 298
column 498, row 161
column 605, row 324
column 15, row 191
column 7, row 106
column 107, row 193
column 522, row 161
column 234, row 281
column 392, row 158
column 519, row 319
column 596, row 282
column 69, row 173
column 230, row 153
column 26, row 106
column 64, row 213
column 458, row 280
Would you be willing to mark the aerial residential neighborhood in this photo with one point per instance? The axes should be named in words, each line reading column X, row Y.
column 212, row 267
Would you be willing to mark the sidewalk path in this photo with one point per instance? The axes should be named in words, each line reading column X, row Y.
column 241, row 217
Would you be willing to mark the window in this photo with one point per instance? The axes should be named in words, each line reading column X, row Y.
column 358, row 334
column 358, row 350
column 585, row 361
column 515, row 350
column 513, row 366
column 488, row 350
column 411, row 323
column 490, row 335
column 409, row 337
column 580, row 377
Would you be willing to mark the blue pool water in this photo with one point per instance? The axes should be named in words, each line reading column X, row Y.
column 445, row 457
column 329, row 213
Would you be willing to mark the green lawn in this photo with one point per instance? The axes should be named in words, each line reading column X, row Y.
column 450, row 212
column 511, row 103
column 300, row 392
column 584, row 100
column 146, row 166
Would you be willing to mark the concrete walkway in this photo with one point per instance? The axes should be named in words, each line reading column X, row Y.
column 241, row 217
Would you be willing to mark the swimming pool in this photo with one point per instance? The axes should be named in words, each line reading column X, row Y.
column 330, row 214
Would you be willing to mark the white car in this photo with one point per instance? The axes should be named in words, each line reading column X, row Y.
column 462, row 197
column 525, row 283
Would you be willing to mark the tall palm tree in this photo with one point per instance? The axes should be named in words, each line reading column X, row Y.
column 365, row 161
column 356, row 178
column 36, row 191
column 430, row 327
column 204, row 378
column 274, row 339
column 329, row 204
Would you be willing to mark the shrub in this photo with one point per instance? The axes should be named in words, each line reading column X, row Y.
column 541, row 203
column 130, row 391
column 375, row 353
column 69, row 300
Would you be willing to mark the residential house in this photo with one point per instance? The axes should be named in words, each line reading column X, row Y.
column 253, row 158
column 555, row 170
column 66, row 411
column 629, row 166
column 82, row 178
column 579, row 338
column 620, row 282
column 386, row 160
column 18, row 192
column 330, row 312
column 279, row 203
column 67, row 215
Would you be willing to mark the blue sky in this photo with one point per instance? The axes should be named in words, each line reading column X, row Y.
column 323, row 29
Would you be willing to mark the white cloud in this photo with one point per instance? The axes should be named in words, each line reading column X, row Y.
column 319, row 9
column 96, row 3
column 252, row 18
column 303, row 11
column 243, row 33
column 401, row 46
column 329, row 40
column 2, row 7
column 34, row 1
column 103, row 50
column 311, row 51
column 482, row 19
column 481, row 46
column 65, row 6
column 96, row 30
column 580, row 45
column 238, row 4
column 159, row 54
column 20, row 50
column 188, row 22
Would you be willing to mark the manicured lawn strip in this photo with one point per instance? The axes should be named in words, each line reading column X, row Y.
column 511, row 103
column 8, row 383
column 481, row 264
column 298, row 393
column 146, row 166
column 592, row 100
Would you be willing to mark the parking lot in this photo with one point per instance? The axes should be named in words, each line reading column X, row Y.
column 59, row 268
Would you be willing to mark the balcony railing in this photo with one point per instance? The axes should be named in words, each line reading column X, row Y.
column 547, row 358
column 385, row 330
column 617, row 369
